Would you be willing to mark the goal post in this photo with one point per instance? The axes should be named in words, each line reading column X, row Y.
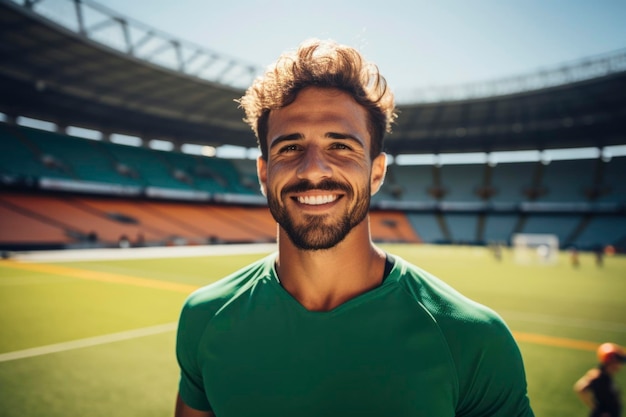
column 530, row 248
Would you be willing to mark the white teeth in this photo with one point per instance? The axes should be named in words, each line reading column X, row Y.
column 316, row 200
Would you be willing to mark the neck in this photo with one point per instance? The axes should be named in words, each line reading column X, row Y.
column 321, row 280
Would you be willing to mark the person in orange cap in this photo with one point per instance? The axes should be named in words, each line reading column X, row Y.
column 597, row 388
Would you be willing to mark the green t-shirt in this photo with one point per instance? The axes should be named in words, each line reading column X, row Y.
column 411, row 347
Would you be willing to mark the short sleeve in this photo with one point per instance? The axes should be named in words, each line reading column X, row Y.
column 191, row 385
column 493, row 377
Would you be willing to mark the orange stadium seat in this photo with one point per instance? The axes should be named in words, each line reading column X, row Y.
column 78, row 217
column 392, row 226
column 20, row 228
column 199, row 222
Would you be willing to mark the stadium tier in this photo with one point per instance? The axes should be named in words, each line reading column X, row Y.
column 32, row 153
column 36, row 221
column 575, row 200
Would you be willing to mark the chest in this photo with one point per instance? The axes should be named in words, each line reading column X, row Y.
column 379, row 360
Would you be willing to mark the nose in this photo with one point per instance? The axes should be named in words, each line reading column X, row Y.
column 314, row 165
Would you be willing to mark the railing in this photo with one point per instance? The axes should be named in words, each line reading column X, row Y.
column 99, row 24
column 579, row 70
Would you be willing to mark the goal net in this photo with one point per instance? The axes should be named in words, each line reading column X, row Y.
column 535, row 248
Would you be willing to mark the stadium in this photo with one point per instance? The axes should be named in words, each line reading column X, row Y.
column 113, row 184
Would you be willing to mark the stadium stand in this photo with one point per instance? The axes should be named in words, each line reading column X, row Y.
column 410, row 182
column 463, row 227
column 429, row 228
column 499, row 227
column 563, row 226
column 392, row 227
column 9, row 166
column 512, row 181
column 462, row 182
column 79, row 221
column 612, row 185
column 74, row 158
column 146, row 165
column 600, row 231
column 23, row 228
column 568, row 180
column 57, row 190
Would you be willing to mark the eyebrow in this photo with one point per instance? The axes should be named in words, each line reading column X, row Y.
column 330, row 135
column 286, row 138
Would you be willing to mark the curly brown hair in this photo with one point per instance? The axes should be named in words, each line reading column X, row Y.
column 326, row 64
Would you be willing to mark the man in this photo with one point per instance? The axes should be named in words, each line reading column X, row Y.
column 331, row 325
column 596, row 388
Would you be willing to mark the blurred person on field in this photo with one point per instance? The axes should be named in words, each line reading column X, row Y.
column 331, row 325
column 597, row 389
column 574, row 258
column 599, row 255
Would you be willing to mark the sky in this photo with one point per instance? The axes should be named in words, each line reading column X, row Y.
column 416, row 43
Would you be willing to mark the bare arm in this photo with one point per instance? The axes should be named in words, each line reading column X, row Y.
column 183, row 410
column 581, row 388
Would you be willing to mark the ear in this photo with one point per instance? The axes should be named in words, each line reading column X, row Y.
column 379, row 170
column 261, row 172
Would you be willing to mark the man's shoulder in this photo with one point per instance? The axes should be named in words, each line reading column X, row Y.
column 478, row 339
column 441, row 300
column 593, row 374
column 212, row 296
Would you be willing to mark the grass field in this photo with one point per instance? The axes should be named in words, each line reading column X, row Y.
column 97, row 338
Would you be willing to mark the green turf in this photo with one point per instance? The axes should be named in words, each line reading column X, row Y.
column 138, row 377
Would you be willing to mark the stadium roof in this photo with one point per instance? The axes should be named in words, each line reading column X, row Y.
column 67, row 75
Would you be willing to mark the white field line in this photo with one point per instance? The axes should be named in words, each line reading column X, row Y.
column 88, row 342
column 564, row 321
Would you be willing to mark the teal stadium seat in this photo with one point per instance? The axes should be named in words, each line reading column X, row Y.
column 602, row 231
column 613, row 181
column 510, row 179
column 148, row 165
column 413, row 181
column 567, row 181
column 427, row 227
column 17, row 159
column 84, row 158
column 463, row 227
column 462, row 181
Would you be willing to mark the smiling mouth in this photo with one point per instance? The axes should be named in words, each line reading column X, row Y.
column 317, row 200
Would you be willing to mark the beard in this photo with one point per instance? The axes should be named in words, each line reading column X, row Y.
column 318, row 232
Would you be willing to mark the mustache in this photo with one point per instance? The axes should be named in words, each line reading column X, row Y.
column 324, row 185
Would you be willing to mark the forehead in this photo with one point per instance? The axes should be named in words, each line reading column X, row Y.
column 319, row 109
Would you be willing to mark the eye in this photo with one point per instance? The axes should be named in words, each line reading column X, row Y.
column 340, row 146
column 289, row 148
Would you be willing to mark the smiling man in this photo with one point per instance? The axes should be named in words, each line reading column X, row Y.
column 331, row 325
